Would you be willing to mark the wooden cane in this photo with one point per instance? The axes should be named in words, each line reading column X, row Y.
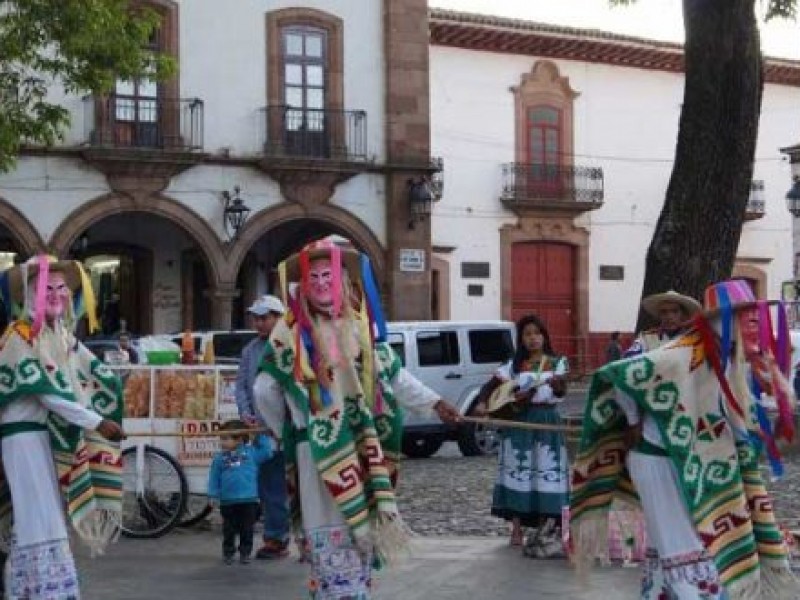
column 216, row 433
column 520, row 424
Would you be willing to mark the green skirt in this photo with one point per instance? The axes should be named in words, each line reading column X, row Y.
column 533, row 470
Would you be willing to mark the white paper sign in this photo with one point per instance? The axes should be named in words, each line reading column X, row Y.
column 412, row 261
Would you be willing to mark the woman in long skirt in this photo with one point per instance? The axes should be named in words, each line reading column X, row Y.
column 532, row 483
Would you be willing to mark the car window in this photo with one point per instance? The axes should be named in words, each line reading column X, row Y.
column 490, row 346
column 435, row 349
column 399, row 347
column 230, row 345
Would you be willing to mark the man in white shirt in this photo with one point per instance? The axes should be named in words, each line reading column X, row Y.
column 54, row 394
column 334, row 393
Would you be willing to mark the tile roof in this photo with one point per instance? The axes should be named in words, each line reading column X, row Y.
column 517, row 36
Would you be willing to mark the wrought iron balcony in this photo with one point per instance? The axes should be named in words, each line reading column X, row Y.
column 532, row 186
column 331, row 134
column 756, row 205
column 137, row 122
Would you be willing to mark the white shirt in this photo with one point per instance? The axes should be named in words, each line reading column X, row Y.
column 36, row 409
column 271, row 401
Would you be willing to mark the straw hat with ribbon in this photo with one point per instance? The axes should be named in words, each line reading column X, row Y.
column 652, row 303
column 351, row 275
column 16, row 282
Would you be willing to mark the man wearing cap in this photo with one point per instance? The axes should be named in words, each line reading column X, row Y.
column 265, row 313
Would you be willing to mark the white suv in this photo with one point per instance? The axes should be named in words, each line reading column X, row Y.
column 454, row 358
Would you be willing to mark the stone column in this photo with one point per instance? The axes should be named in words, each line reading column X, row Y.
column 221, row 299
column 407, row 145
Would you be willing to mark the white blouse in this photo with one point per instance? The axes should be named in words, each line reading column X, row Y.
column 544, row 393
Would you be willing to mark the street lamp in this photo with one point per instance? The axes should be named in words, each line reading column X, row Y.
column 420, row 198
column 235, row 213
column 793, row 197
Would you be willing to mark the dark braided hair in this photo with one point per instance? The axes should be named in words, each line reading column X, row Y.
column 522, row 354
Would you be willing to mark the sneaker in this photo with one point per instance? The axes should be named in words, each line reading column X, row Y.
column 272, row 549
column 228, row 560
column 245, row 559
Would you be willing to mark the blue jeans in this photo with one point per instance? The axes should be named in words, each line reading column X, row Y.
column 272, row 493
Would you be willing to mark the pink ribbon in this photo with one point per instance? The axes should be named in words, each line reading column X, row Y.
column 336, row 275
column 40, row 300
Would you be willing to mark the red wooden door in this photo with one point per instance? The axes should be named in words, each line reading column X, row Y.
column 543, row 283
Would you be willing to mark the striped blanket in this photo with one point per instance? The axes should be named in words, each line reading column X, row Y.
column 719, row 476
column 89, row 467
column 355, row 447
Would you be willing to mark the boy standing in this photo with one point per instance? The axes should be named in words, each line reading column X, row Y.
column 233, row 486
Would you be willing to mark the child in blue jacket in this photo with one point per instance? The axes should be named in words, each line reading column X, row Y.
column 233, row 486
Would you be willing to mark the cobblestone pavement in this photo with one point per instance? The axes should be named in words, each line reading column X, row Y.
column 449, row 495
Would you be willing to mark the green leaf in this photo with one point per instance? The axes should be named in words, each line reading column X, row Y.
column 83, row 46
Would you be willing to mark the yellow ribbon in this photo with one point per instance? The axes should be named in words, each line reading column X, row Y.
column 89, row 302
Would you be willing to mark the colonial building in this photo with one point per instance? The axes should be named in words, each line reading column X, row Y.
column 288, row 120
column 558, row 146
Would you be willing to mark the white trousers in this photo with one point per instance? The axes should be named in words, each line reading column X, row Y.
column 678, row 566
column 40, row 563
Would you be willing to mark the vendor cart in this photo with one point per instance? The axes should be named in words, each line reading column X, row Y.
column 165, row 471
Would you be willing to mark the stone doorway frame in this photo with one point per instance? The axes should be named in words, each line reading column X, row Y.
column 558, row 229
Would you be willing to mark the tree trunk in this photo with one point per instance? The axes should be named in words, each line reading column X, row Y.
column 697, row 234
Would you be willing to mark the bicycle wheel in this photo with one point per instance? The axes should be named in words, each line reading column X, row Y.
column 155, row 506
column 197, row 509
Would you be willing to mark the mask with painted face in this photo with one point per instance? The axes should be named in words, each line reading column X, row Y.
column 320, row 285
column 57, row 296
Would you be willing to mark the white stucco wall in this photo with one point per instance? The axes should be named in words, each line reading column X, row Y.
column 47, row 189
column 223, row 61
column 625, row 121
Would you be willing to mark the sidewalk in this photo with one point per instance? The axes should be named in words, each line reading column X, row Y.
column 187, row 565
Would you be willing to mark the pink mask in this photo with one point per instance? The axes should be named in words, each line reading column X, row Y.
column 748, row 322
column 56, row 297
column 320, row 284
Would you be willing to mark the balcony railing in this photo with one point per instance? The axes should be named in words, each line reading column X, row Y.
column 315, row 133
column 552, row 186
column 756, row 205
column 119, row 121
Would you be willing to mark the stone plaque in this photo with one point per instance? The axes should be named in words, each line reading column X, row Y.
column 612, row 272
column 475, row 270
column 474, row 290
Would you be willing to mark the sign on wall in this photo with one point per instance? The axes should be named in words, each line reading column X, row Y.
column 612, row 272
column 412, row 260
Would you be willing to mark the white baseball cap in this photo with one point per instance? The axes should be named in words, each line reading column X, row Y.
column 266, row 304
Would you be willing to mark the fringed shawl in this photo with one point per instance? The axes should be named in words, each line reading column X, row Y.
column 89, row 467
column 719, row 478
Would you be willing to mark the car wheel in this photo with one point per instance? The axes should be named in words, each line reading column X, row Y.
column 421, row 446
column 475, row 439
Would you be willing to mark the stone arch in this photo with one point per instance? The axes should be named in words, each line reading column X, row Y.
column 340, row 219
column 23, row 231
column 160, row 205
